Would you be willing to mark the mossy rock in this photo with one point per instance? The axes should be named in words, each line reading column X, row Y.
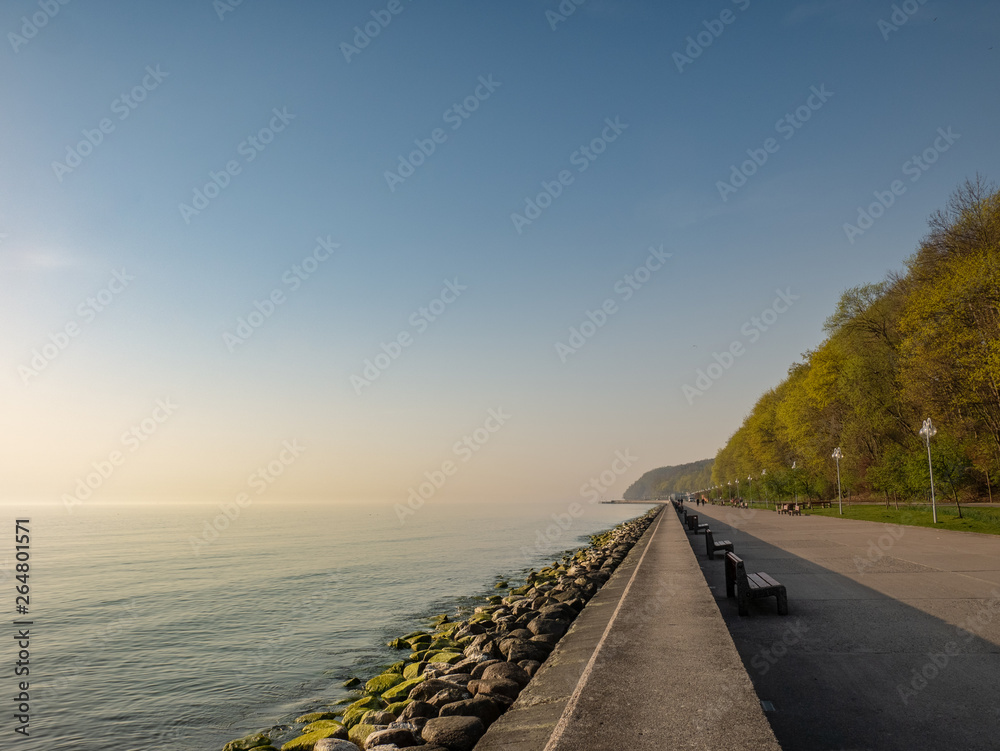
column 313, row 716
column 381, row 683
column 450, row 657
column 345, row 700
column 396, row 667
column 415, row 635
column 500, row 585
column 248, row 742
column 439, row 619
column 351, row 683
column 307, row 741
column 353, row 717
column 359, row 734
column 492, row 600
column 397, row 644
column 401, row 691
column 419, row 656
column 318, row 725
column 413, row 670
column 440, row 644
column 480, row 617
column 367, row 702
column 263, row 748
column 397, row 707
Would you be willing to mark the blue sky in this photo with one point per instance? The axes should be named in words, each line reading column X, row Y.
column 864, row 100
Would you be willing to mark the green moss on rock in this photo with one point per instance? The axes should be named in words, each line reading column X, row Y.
column 248, row 742
column 397, row 707
column 318, row 725
column 359, row 734
column 402, row 690
column 307, row 741
column 313, row 716
column 450, row 657
column 383, row 682
column 413, row 670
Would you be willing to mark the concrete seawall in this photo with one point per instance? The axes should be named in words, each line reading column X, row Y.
column 648, row 664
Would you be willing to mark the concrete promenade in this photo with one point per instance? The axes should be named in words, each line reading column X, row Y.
column 892, row 636
column 648, row 664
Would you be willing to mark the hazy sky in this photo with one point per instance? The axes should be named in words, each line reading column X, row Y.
column 354, row 239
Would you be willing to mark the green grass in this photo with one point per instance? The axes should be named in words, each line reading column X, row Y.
column 983, row 520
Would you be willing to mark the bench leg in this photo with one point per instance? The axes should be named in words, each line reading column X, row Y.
column 782, row 602
column 742, row 601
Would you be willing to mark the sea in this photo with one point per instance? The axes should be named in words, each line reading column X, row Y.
column 173, row 627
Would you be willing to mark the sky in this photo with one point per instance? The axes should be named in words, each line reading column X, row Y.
column 353, row 251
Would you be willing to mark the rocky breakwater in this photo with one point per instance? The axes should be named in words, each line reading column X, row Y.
column 461, row 675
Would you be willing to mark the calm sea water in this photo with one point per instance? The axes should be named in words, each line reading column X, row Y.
column 141, row 642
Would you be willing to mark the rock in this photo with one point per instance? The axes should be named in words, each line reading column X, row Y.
column 308, row 741
column 508, row 671
column 425, row 690
column 402, row 690
column 383, row 682
column 313, row 716
column 448, row 695
column 549, row 639
column 248, row 742
column 485, row 709
column 393, row 736
column 359, row 733
column 459, row 679
column 478, row 670
column 396, row 708
column 449, row 657
column 378, row 717
column 454, row 733
column 516, row 650
column 418, row 709
column 334, row 744
column 413, row 670
column 530, row 667
column 541, row 625
column 313, row 727
column 501, row 686
column 351, row 683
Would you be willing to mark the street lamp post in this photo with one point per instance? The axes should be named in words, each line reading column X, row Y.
column 928, row 431
column 837, row 455
column 750, row 487
column 738, row 496
column 795, row 484
column 730, row 484
column 763, row 472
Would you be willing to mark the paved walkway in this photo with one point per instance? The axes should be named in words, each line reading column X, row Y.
column 648, row 664
column 893, row 635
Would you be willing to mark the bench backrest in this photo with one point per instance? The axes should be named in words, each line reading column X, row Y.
column 736, row 574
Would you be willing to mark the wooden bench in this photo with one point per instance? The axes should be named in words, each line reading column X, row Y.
column 745, row 587
column 712, row 547
column 691, row 520
column 796, row 510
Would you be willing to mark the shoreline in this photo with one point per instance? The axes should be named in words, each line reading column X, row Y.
column 461, row 675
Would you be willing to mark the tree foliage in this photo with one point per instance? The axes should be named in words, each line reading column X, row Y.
column 924, row 342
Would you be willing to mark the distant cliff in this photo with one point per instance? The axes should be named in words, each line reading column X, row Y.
column 661, row 482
